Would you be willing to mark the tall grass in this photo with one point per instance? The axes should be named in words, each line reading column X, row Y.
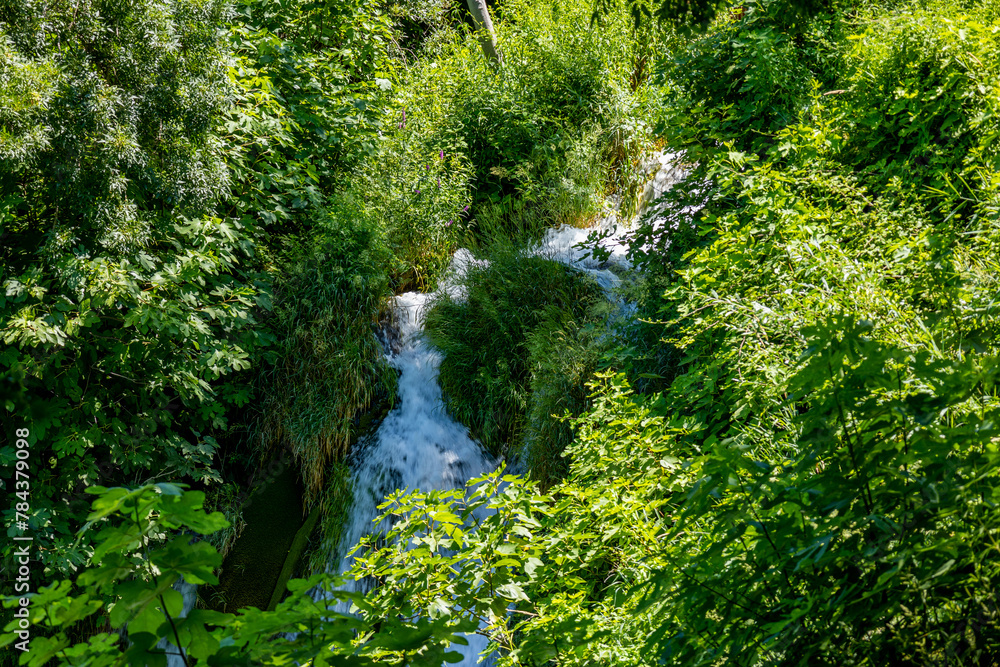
column 330, row 367
column 563, row 355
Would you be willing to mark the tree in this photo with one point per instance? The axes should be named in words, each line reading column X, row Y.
column 484, row 24
column 123, row 301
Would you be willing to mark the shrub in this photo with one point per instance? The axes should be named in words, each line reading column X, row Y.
column 310, row 99
column 166, row 332
column 415, row 188
column 923, row 98
column 536, row 129
column 560, row 76
column 740, row 82
column 148, row 542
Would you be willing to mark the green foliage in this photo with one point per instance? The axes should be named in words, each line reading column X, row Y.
column 810, row 473
column 690, row 15
column 767, row 73
column 227, row 500
column 113, row 114
column 924, row 99
column 801, row 486
column 421, row 24
column 559, row 76
column 27, row 90
column 146, row 545
column 855, row 547
column 114, row 350
column 547, row 576
column 811, row 525
column 125, row 308
column 416, row 190
column 457, row 133
column 537, row 129
column 872, row 539
column 310, row 81
column 124, row 548
column 486, row 373
column 563, row 356
column 509, row 220
column 329, row 366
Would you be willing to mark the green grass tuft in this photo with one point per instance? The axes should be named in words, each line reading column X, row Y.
column 486, row 372
column 331, row 366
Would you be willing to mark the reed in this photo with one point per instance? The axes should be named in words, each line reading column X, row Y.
column 330, row 366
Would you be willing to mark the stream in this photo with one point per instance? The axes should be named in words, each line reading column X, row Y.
column 418, row 445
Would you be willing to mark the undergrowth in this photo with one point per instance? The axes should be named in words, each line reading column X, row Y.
column 330, row 366
column 810, row 474
column 806, row 470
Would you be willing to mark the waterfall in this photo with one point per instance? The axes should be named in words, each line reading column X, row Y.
column 418, row 445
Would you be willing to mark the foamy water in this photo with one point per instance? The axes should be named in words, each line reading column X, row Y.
column 418, row 445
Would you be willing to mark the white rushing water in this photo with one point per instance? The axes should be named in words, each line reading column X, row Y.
column 418, row 445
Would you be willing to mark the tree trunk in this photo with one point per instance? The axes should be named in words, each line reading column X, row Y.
column 484, row 25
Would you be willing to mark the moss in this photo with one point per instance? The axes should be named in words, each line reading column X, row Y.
column 251, row 571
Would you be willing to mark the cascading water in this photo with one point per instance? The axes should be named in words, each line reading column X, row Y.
column 418, row 445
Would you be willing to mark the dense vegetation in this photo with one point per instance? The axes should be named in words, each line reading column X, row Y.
column 789, row 457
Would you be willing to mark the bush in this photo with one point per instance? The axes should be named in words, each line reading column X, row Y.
column 740, row 82
column 162, row 337
column 310, row 101
column 923, row 100
column 148, row 543
column 561, row 80
column 415, row 188
column 537, row 129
